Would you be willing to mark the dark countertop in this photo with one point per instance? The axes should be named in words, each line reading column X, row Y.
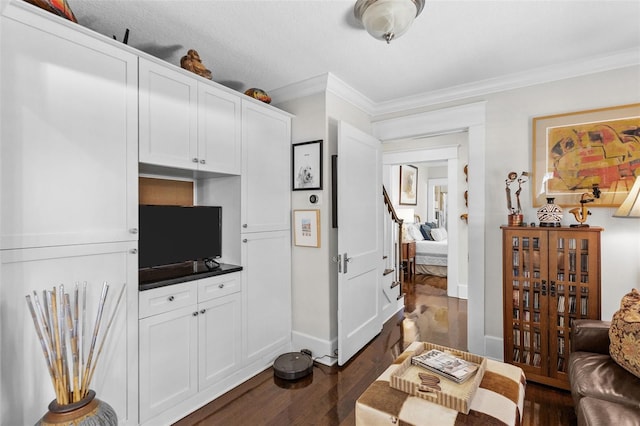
column 159, row 277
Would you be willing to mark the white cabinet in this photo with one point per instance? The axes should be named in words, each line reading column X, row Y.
column 168, row 360
column 69, row 163
column 189, row 340
column 186, row 123
column 219, row 328
column 22, row 366
column 219, row 130
column 266, row 290
column 266, row 169
column 168, row 116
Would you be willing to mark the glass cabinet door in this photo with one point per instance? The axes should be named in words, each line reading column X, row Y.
column 526, row 278
column 573, row 289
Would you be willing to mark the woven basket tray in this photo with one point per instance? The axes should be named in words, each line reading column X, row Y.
column 453, row 395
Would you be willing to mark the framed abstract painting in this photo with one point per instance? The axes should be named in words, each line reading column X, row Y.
column 576, row 151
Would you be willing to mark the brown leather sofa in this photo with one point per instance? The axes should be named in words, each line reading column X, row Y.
column 603, row 392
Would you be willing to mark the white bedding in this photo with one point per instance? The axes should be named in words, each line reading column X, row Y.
column 431, row 252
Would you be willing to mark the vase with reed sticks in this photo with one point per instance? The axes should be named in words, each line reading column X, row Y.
column 89, row 411
column 60, row 324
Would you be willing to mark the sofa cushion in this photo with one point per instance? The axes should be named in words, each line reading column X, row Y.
column 592, row 412
column 599, row 376
column 624, row 333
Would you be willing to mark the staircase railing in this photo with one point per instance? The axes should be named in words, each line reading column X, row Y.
column 393, row 244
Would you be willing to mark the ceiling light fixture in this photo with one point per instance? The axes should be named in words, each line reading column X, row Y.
column 387, row 19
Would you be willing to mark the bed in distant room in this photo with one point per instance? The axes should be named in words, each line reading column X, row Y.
column 431, row 248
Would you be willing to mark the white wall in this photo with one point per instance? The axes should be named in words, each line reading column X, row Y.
column 311, row 309
column 314, row 274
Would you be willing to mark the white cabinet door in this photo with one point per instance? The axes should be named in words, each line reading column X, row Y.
column 168, row 360
column 22, row 365
column 219, row 329
column 69, row 139
column 266, row 293
column 219, row 130
column 266, row 169
column 168, row 117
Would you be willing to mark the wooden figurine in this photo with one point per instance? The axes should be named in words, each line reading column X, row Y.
column 191, row 62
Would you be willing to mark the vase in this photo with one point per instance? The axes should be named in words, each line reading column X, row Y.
column 89, row 411
column 550, row 214
column 515, row 219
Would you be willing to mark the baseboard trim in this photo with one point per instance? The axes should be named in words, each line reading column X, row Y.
column 322, row 350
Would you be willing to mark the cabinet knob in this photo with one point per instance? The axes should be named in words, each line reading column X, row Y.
column 170, row 298
column 203, row 161
column 220, row 285
column 203, row 311
column 245, row 240
column 244, row 225
column 133, row 230
column 195, row 160
column 133, row 251
column 195, row 314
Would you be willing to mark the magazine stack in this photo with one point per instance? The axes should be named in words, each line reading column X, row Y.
column 446, row 365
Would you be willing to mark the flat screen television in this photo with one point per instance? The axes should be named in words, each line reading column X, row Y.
column 175, row 234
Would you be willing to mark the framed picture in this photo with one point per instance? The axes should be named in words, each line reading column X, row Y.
column 306, row 228
column 573, row 152
column 408, row 185
column 307, row 165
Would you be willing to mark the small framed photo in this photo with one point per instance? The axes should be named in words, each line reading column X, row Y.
column 408, row 185
column 306, row 225
column 306, row 163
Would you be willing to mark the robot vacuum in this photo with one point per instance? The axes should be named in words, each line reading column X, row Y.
column 293, row 366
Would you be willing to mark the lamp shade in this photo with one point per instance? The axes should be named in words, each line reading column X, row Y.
column 630, row 207
column 387, row 19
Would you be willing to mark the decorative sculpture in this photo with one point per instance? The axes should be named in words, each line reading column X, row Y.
column 191, row 62
column 515, row 213
column 581, row 213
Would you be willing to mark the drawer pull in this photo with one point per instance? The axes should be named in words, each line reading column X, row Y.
column 171, row 298
column 220, row 285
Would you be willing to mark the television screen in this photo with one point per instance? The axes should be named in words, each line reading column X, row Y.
column 175, row 234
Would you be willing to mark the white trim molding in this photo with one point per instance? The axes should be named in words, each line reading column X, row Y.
column 471, row 118
column 331, row 83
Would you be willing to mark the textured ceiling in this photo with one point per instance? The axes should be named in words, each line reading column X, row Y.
column 271, row 44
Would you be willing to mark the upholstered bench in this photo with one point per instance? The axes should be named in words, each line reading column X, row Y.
column 498, row 400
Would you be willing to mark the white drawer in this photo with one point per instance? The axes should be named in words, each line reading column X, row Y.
column 218, row 286
column 168, row 298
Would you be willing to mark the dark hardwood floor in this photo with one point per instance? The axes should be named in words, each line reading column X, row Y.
column 327, row 397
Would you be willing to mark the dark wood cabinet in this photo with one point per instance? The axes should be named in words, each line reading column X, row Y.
column 409, row 257
column 551, row 277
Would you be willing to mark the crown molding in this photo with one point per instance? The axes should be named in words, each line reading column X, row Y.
column 330, row 83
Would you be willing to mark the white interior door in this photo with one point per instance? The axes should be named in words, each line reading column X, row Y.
column 359, row 239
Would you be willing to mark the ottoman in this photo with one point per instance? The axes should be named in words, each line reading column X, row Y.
column 498, row 401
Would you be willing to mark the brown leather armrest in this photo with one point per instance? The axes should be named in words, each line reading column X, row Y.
column 590, row 336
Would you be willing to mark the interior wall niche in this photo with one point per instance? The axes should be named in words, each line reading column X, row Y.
column 166, row 192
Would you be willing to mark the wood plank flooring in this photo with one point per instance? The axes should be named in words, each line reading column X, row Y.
column 327, row 397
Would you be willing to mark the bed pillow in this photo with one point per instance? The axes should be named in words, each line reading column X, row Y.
column 624, row 333
column 425, row 230
column 439, row 234
column 414, row 232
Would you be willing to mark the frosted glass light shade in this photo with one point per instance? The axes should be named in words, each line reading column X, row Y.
column 630, row 207
column 387, row 19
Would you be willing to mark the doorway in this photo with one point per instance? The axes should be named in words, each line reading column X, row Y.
column 436, row 164
column 470, row 118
